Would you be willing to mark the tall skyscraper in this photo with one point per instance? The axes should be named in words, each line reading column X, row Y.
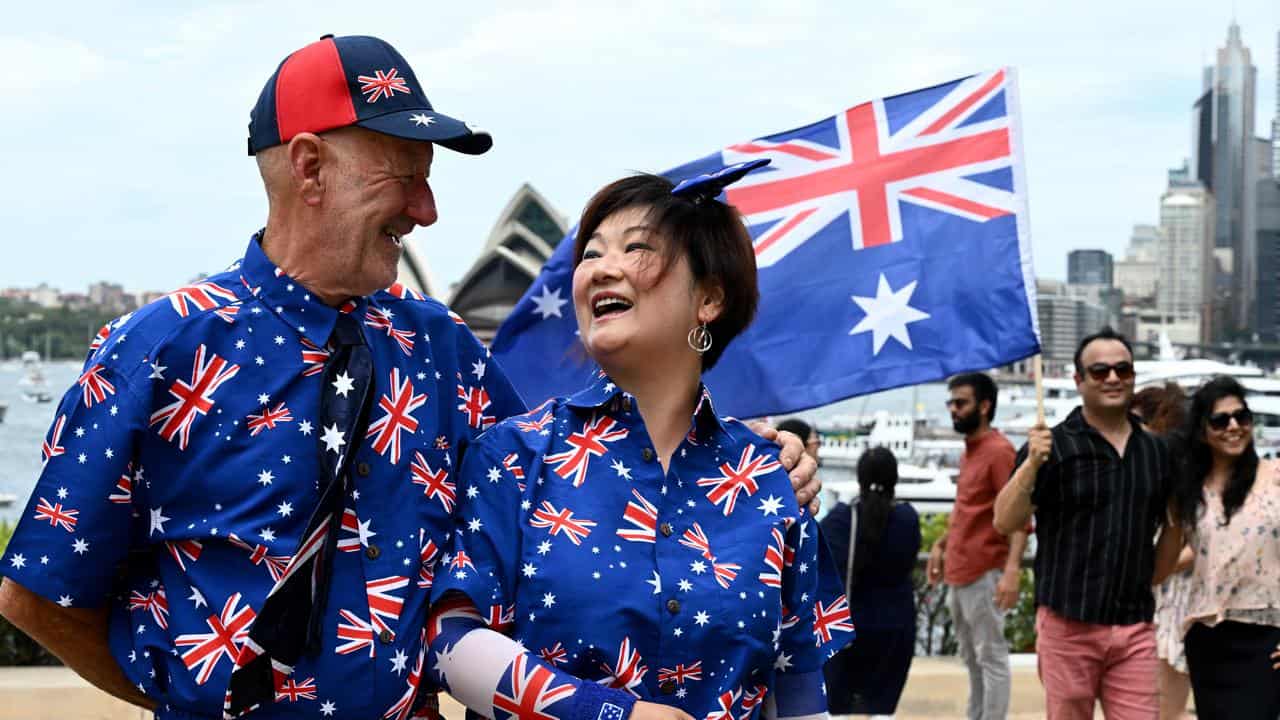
column 1231, row 170
column 1137, row 273
column 1275, row 121
column 1089, row 267
column 1185, row 257
column 1267, row 323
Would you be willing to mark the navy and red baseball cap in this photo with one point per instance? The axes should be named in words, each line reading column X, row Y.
column 357, row 80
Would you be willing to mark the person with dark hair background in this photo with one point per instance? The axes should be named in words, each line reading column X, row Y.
column 804, row 431
column 1227, row 503
column 1162, row 410
column 868, row 676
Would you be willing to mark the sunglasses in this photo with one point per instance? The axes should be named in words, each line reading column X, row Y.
column 1101, row 371
column 1220, row 421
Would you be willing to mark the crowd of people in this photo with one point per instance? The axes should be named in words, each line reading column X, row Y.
column 313, row 493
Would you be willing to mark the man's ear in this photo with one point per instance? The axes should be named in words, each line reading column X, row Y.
column 712, row 304
column 306, row 156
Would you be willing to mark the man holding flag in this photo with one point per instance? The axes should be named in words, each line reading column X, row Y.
column 892, row 246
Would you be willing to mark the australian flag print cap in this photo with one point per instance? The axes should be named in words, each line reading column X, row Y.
column 356, row 80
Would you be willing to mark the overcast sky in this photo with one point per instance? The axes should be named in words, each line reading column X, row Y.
column 123, row 130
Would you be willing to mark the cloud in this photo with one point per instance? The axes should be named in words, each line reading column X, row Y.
column 43, row 64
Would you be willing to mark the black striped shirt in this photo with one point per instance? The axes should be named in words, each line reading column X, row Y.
column 1096, row 517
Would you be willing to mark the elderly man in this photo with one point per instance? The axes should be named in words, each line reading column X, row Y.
column 245, row 494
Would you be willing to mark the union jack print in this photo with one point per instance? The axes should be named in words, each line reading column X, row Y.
column 194, row 397
column 352, row 537
column 532, row 691
column 382, row 84
column 724, row 706
column 228, row 312
column 313, row 358
column 93, row 387
column 750, row 699
column 261, row 555
column 268, row 419
column 535, row 425
column 354, row 634
column 404, row 292
column 627, row 673
column 452, row 606
column 873, row 168
column 554, row 655
column 184, row 550
column 103, row 333
column 501, row 618
column 584, row 445
column 694, row 537
column 742, row 478
column 473, row 401
column 435, row 483
column 643, row 518
column 510, row 463
column 561, row 521
column 380, row 319
column 680, row 673
column 462, row 560
column 51, row 448
column 384, row 606
column 398, row 407
column 203, row 296
column 57, row 515
column 123, row 494
column 290, row 690
column 827, row 618
column 427, row 557
column 773, row 558
column 153, row 602
column 227, row 632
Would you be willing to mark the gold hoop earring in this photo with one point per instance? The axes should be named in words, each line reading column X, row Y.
column 700, row 339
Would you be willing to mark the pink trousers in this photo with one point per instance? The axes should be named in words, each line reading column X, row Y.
column 1082, row 663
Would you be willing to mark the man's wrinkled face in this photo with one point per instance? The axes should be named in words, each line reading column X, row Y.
column 377, row 193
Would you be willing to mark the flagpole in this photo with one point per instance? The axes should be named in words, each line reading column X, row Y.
column 1038, row 372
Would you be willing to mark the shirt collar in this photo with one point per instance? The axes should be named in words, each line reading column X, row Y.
column 1075, row 422
column 289, row 299
column 602, row 393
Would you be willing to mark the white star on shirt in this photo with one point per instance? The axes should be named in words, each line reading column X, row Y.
column 398, row 662
column 263, row 398
column 157, row 371
column 529, row 570
column 684, row 585
column 240, row 344
column 80, row 546
column 62, row 493
column 265, row 477
column 157, row 520
column 477, row 369
column 305, row 427
column 64, row 600
column 421, row 119
column 494, row 474
column 18, row 561
column 783, row 662
column 268, row 535
column 701, row 618
column 698, row 566
column 197, row 598
column 548, row 600
column 656, row 582
column 474, row 524
column 343, row 384
column 544, row 547
column 887, row 315
column 472, row 491
column 332, row 438
column 548, row 303
column 622, row 470
column 285, row 509
column 327, row 707
column 279, row 339
column 770, row 505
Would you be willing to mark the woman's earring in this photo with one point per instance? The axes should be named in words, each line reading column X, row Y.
column 700, row 339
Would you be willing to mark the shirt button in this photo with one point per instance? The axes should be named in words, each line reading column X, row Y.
column 372, row 552
column 673, row 606
column 667, row 687
column 386, row 637
column 665, row 529
column 362, row 469
column 647, row 454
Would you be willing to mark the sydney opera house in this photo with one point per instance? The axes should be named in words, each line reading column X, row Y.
column 522, row 240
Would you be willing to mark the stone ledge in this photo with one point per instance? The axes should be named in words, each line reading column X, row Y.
column 937, row 689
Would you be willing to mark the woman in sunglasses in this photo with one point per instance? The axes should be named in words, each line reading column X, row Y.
column 1227, row 503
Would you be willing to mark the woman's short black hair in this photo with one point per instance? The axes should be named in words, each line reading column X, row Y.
column 708, row 234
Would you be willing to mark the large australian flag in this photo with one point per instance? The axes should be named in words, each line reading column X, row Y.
column 893, row 248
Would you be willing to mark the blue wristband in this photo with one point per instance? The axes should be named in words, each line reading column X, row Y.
column 593, row 701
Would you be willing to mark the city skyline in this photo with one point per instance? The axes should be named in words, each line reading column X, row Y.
column 1104, row 118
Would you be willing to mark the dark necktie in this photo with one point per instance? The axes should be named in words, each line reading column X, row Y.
column 289, row 622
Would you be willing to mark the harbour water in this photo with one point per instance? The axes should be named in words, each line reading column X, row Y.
column 26, row 423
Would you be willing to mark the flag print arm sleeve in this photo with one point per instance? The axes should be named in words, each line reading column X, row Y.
column 489, row 672
column 815, row 621
column 484, row 394
column 74, row 533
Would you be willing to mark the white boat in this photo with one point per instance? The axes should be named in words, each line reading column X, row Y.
column 7, row 499
column 927, row 459
column 34, row 386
